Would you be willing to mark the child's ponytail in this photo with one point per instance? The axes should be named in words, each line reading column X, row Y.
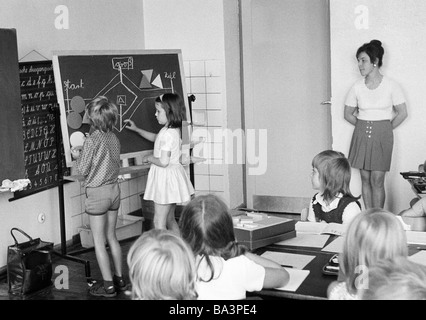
column 233, row 249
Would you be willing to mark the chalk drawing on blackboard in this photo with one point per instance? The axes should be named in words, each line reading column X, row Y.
column 132, row 81
column 119, row 83
column 146, row 79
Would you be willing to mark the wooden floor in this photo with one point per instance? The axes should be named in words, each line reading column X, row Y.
column 78, row 282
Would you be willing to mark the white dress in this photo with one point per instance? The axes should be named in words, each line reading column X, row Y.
column 171, row 184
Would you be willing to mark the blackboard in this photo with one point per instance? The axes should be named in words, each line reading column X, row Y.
column 11, row 144
column 131, row 79
column 43, row 150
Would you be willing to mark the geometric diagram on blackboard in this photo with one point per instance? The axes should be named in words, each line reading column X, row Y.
column 86, row 119
column 158, row 83
column 121, row 100
column 146, row 79
column 77, row 104
column 127, row 95
column 74, row 120
column 119, row 77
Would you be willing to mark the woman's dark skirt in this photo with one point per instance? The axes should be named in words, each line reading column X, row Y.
column 371, row 145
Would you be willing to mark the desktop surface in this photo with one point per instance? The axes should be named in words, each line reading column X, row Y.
column 315, row 286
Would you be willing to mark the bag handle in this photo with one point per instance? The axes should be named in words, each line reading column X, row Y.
column 17, row 229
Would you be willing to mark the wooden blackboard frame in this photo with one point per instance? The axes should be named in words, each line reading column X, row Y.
column 11, row 144
column 81, row 76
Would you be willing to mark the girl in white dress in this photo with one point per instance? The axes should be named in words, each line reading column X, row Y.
column 168, row 183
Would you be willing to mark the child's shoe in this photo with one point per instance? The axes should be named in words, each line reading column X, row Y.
column 99, row 290
column 119, row 283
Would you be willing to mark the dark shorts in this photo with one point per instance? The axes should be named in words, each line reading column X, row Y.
column 371, row 145
column 100, row 200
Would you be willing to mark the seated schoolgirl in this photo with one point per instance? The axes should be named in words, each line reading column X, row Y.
column 226, row 270
column 334, row 202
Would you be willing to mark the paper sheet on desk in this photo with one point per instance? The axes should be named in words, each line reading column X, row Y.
column 296, row 279
column 406, row 227
column 419, row 257
column 297, row 261
column 335, row 246
column 337, row 229
column 306, row 240
column 416, row 237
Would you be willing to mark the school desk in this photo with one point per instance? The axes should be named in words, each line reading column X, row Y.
column 314, row 287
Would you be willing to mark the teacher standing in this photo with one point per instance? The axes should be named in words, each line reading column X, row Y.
column 375, row 105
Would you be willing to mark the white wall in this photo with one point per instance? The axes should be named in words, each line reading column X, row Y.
column 400, row 25
column 93, row 25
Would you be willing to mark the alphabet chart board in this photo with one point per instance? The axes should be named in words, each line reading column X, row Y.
column 39, row 111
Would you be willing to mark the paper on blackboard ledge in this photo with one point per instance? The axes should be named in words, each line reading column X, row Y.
column 12, row 186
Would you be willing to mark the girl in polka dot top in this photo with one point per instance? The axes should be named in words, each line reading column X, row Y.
column 99, row 161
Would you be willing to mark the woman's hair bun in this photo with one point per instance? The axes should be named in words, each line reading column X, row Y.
column 377, row 43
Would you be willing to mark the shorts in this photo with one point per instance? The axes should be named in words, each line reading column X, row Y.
column 100, row 200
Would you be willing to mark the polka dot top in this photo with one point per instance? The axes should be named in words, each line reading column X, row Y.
column 100, row 159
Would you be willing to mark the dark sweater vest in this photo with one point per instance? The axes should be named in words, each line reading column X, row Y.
column 334, row 215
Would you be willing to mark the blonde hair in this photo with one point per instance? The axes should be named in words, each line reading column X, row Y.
column 102, row 113
column 397, row 279
column 161, row 267
column 373, row 235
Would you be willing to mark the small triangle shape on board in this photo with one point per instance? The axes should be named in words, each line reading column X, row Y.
column 144, row 83
column 157, row 82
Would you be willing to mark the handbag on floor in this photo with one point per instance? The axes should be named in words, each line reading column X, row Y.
column 29, row 265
